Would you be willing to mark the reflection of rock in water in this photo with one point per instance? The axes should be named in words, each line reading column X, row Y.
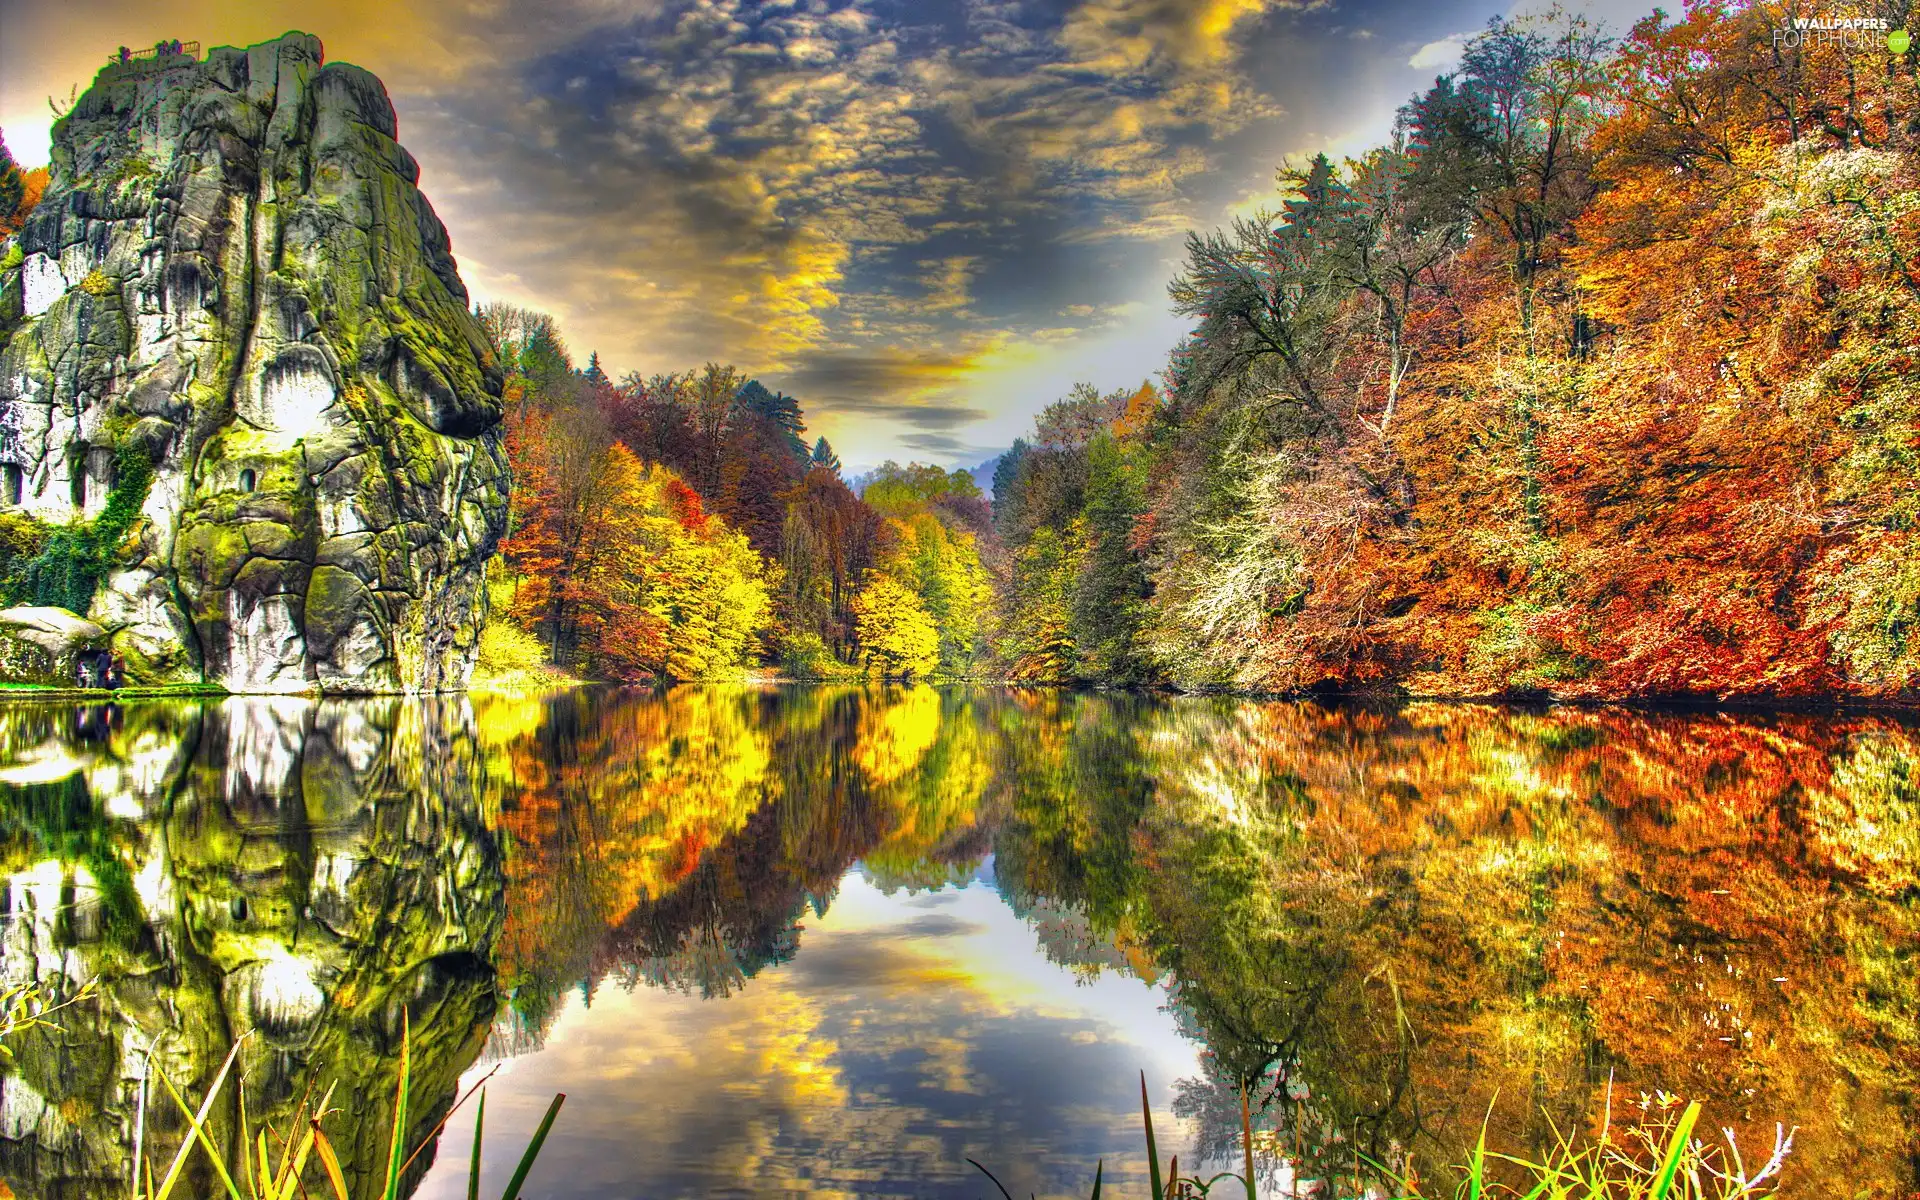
column 300, row 872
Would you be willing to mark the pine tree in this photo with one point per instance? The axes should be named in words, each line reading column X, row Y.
column 593, row 372
column 823, row 456
column 778, row 409
column 12, row 190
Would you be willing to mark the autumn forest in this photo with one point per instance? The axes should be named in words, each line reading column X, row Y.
column 1594, row 382
column 1273, row 786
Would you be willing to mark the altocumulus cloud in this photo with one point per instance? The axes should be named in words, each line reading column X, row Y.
column 856, row 199
column 900, row 210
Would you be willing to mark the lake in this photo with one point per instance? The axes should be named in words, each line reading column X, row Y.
column 813, row 941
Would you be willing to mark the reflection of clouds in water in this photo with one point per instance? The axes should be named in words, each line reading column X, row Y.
column 899, row 1043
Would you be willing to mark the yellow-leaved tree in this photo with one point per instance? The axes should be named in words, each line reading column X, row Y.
column 896, row 633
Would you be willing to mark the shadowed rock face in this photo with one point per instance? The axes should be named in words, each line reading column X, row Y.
column 233, row 269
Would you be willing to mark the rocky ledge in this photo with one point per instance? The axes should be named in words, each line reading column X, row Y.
column 238, row 369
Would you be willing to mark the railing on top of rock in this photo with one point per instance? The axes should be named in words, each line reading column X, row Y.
column 154, row 53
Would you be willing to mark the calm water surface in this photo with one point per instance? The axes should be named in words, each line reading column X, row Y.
column 816, row 941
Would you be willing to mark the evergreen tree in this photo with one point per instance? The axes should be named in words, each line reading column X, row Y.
column 593, row 372
column 12, row 189
column 1008, row 486
column 778, row 409
column 823, row 456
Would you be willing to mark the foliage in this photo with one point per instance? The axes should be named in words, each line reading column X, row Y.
column 828, row 542
column 11, row 189
column 766, row 548
column 897, row 635
column 618, row 571
column 613, row 564
column 1592, row 381
column 20, row 192
column 1653, row 1158
column 69, row 562
column 805, row 656
column 24, row 1007
column 894, row 490
column 509, row 658
column 1076, row 595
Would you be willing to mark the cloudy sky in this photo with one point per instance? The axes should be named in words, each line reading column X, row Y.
column 925, row 218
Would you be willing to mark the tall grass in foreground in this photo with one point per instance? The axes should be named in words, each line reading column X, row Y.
column 275, row 1163
column 1654, row 1158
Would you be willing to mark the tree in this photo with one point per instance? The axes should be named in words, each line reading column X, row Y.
column 1009, row 484
column 653, row 418
column 778, row 410
column 574, row 535
column 828, row 543
column 710, row 397
column 12, row 190
column 896, row 634
column 620, row 567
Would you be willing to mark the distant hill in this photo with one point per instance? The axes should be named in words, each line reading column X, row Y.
column 983, row 474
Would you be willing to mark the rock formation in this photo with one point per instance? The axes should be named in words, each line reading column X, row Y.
column 50, row 647
column 234, row 277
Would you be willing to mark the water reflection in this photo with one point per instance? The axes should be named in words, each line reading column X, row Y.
column 835, row 940
column 296, row 873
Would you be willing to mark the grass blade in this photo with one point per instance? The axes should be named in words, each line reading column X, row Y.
column 1098, row 1167
column 1153, row 1152
column 186, row 1143
column 1676, row 1150
column 434, row 1133
column 261, row 1176
column 197, row 1131
column 996, row 1181
column 533, row 1148
column 329, row 1163
column 473, row 1167
column 399, row 1146
column 140, row 1128
column 291, row 1173
column 1477, row 1168
column 286, row 1148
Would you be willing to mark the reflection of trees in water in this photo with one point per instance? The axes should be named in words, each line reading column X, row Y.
column 1377, row 916
column 699, row 825
column 298, row 872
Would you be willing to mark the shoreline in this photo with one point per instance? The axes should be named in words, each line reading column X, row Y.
column 1799, row 705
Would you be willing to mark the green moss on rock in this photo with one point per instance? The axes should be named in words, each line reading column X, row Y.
column 309, row 377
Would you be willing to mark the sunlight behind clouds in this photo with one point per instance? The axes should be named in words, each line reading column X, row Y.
column 880, row 206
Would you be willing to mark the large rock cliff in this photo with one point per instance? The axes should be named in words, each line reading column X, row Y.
column 233, row 277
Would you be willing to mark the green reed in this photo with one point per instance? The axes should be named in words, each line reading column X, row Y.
column 1656, row 1158
column 269, row 1175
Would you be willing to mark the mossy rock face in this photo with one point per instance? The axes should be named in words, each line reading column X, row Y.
column 233, row 267
column 45, row 646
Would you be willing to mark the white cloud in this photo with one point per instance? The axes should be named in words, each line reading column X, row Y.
column 1441, row 55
